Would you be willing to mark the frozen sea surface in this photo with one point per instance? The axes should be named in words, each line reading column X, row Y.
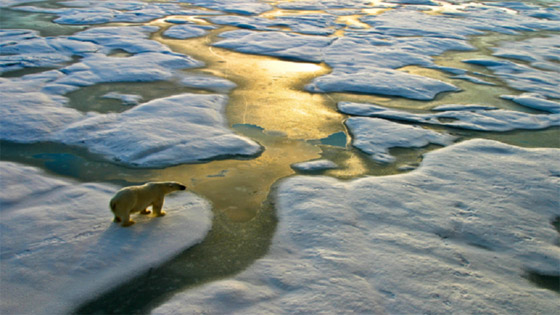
column 473, row 117
column 61, row 248
column 465, row 232
column 456, row 235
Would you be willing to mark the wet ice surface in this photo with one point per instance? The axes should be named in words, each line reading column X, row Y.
column 60, row 246
column 456, row 235
column 459, row 234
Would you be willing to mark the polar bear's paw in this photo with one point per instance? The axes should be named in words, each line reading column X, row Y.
column 145, row 211
column 129, row 223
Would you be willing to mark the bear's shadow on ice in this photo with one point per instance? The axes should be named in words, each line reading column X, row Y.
column 126, row 242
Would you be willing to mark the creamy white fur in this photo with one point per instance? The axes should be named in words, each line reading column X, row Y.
column 134, row 199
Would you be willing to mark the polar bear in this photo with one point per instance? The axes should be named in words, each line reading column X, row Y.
column 134, row 199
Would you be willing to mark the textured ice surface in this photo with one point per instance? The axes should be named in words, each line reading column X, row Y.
column 540, row 52
column 185, row 31
column 27, row 113
column 380, row 81
column 315, row 165
column 454, row 236
column 100, row 12
column 279, row 44
column 523, row 77
column 34, row 106
column 60, row 246
column 178, row 129
column 534, row 101
column 26, row 49
column 207, row 82
column 246, row 7
column 376, row 136
column 459, row 116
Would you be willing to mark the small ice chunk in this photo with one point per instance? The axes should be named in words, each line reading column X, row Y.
column 60, row 245
column 314, row 166
column 127, row 99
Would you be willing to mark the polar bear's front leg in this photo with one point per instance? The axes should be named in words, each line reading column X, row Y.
column 156, row 206
column 127, row 221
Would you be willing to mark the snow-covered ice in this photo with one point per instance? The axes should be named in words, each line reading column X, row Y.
column 185, row 31
column 456, row 235
column 376, row 136
column 35, row 106
column 459, row 116
column 314, row 166
column 537, row 51
column 380, row 81
column 207, row 82
column 100, row 12
column 183, row 128
column 522, row 77
column 273, row 43
column 534, row 101
column 61, row 248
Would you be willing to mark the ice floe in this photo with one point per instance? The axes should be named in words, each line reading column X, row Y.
column 534, row 101
column 380, row 81
column 35, row 108
column 26, row 49
column 185, row 31
column 100, row 12
column 376, row 136
column 537, row 51
column 28, row 114
column 457, row 235
column 207, row 82
column 522, row 77
column 314, row 166
column 279, row 44
column 60, row 247
column 246, row 7
column 183, row 128
column 458, row 116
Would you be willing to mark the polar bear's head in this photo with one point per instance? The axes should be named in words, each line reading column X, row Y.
column 168, row 187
